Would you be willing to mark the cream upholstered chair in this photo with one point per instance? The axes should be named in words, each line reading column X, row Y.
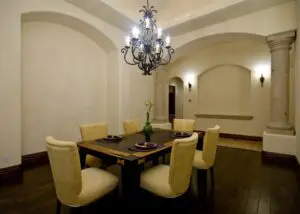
column 184, row 125
column 92, row 132
column 205, row 159
column 75, row 187
column 132, row 126
column 172, row 181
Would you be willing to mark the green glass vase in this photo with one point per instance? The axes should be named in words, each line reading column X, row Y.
column 147, row 130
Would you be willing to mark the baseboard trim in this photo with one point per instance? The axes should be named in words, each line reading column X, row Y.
column 14, row 174
column 34, row 160
column 279, row 159
column 237, row 136
column 11, row 175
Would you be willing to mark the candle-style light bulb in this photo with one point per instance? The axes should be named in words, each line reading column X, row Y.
column 147, row 23
column 127, row 41
column 168, row 41
column 135, row 32
column 141, row 49
column 157, row 48
column 159, row 33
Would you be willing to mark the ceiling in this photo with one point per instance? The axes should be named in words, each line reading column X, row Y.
column 167, row 9
column 175, row 16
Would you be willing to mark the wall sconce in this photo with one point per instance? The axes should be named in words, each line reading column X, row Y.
column 190, row 86
column 262, row 80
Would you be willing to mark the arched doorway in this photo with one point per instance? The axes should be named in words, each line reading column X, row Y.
column 175, row 99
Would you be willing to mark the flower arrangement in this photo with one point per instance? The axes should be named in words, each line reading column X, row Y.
column 148, row 128
column 149, row 105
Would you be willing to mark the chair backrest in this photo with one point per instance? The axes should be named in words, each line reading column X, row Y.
column 93, row 131
column 184, row 125
column 210, row 142
column 65, row 167
column 182, row 157
column 132, row 126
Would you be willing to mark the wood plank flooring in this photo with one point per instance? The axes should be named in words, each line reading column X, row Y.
column 243, row 185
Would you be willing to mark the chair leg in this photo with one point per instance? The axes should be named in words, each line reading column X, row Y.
column 77, row 210
column 202, row 182
column 58, row 206
column 212, row 176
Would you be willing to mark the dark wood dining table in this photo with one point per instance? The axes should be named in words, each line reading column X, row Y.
column 124, row 154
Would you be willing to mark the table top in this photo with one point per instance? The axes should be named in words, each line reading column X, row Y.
column 121, row 149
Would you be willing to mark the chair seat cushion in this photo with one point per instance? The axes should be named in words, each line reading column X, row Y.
column 199, row 163
column 92, row 161
column 156, row 181
column 95, row 184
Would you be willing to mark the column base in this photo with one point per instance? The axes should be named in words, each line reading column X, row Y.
column 280, row 128
column 279, row 143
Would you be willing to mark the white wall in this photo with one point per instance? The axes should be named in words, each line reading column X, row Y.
column 10, row 85
column 63, row 84
column 297, row 85
column 10, row 74
column 136, row 90
column 265, row 22
column 249, row 54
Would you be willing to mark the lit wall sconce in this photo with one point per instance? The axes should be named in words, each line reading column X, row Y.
column 262, row 80
column 190, row 86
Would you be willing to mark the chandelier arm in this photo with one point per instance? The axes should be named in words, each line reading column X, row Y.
column 125, row 51
column 133, row 53
column 170, row 52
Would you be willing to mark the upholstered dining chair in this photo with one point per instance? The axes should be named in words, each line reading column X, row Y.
column 171, row 181
column 184, row 125
column 132, row 126
column 92, row 132
column 75, row 187
column 205, row 159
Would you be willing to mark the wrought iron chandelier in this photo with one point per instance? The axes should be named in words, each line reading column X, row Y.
column 147, row 44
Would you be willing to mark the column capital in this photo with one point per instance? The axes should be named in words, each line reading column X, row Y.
column 282, row 40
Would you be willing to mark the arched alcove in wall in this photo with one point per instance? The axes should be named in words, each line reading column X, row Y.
column 175, row 98
column 202, row 63
column 224, row 89
column 67, row 78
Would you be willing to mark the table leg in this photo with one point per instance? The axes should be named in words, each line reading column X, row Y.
column 82, row 155
column 130, row 184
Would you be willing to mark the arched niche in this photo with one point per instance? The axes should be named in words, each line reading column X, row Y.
column 64, row 121
column 224, row 89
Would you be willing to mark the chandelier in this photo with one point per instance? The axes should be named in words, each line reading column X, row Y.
column 147, row 45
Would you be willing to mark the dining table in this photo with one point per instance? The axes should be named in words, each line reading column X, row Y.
column 131, row 159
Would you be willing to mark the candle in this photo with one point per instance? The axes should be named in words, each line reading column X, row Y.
column 127, row 41
column 147, row 23
column 159, row 33
column 157, row 48
column 168, row 41
column 135, row 32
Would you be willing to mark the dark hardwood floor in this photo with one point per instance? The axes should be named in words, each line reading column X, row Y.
column 243, row 185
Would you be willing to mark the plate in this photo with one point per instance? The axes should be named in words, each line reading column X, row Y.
column 145, row 145
column 112, row 138
column 183, row 134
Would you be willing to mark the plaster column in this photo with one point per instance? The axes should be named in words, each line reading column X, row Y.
column 280, row 45
column 160, row 97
